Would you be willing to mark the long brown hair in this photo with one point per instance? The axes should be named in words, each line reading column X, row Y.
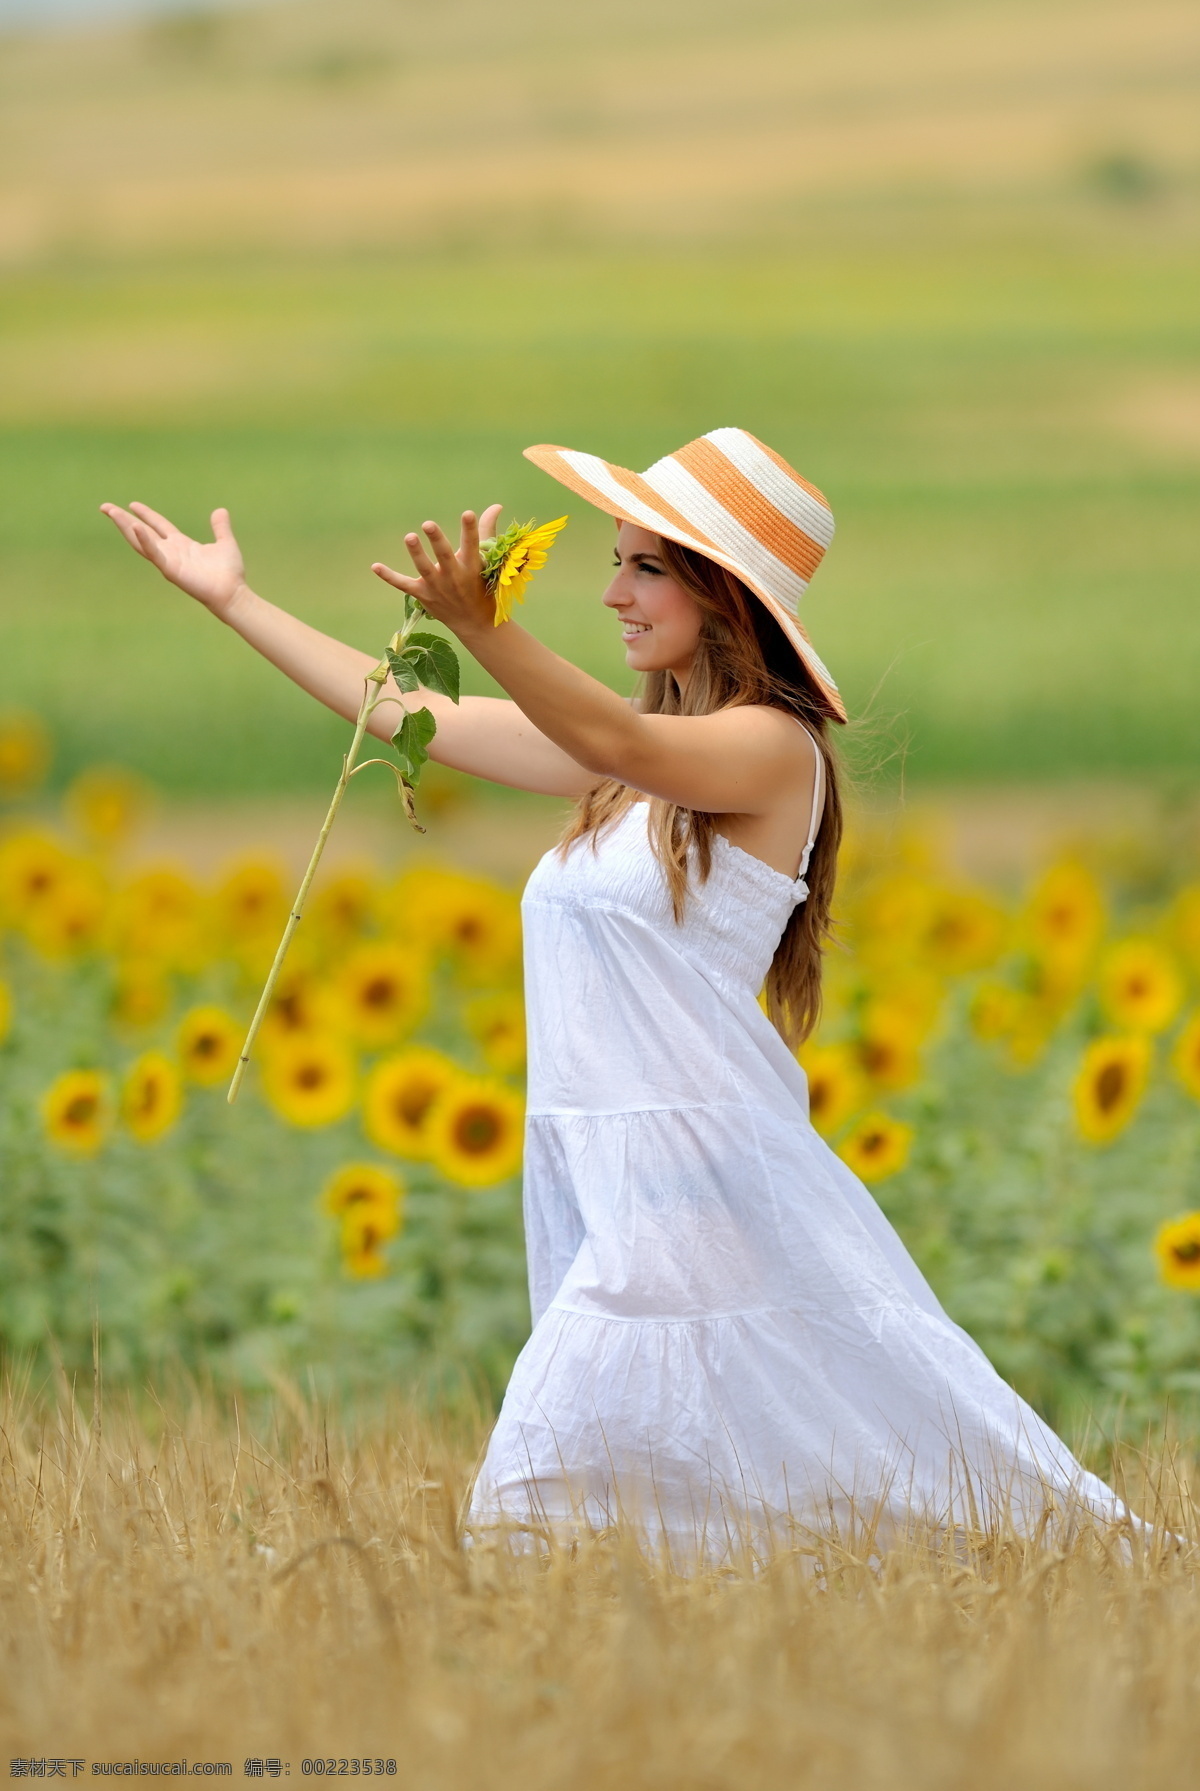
column 743, row 657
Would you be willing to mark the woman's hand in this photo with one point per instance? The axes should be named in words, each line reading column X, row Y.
column 210, row 571
column 449, row 587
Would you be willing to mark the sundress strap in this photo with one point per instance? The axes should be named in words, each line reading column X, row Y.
column 813, row 819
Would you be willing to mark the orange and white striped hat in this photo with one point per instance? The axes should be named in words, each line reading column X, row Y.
column 730, row 497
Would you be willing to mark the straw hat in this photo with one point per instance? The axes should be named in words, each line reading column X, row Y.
column 729, row 497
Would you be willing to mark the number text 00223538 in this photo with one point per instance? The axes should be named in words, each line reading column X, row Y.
column 329, row 1768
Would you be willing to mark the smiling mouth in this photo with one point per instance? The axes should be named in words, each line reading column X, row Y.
column 631, row 630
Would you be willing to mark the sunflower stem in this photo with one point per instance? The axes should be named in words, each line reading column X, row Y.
column 371, row 687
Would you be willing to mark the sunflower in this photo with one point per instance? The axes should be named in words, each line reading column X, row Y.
column 476, row 1131
column 1141, row 989
column 71, row 919
column 511, row 559
column 77, row 1111
column 995, row 1011
column 888, row 1045
column 1110, row 1084
column 497, row 1024
column 151, row 1097
column 360, row 1240
column 158, row 915
column 1185, row 1058
column 106, row 803
column 892, row 918
column 368, row 1202
column 32, row 869
column 382, row 992
column 141, row 993
column 475, row 921
column 24, row 752
column 299, row 1003
column 251, row 901
column 1064, row 916
column 1177, row 1246
column 876, row 1146
column 310, row 1079
column 399, row 1095
column 964, row 931
column 367, row 1185
column 836, row 1085
column 344, row 908
column 208, row 1042
column 6, row 1011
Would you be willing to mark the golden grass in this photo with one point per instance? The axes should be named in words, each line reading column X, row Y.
column 205, row 1588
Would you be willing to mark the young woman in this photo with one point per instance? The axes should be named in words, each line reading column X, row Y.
column 728, row 1336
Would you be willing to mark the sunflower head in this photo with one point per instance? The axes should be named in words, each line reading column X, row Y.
column 497, row 1023
column 1177, row 1246
column 251, row 901
column 1109, row 1085
column 24, row 752
column 1065, row 916
column 141, row 992
column 1141, row 989
column 836, row 1085
column 158, row 915
column 964, row 931
column 476, row 1132
column 510, row 560
column 71, row 919
column 876, row 1146
column 367, row 1201
column 33, row 867
column 401, row 1093
column 151, row 1097
column 888, row 1046
column 106, row 804
column 310, row 1079
column 208, row 1042
column 77, row 1112
column 382, row 992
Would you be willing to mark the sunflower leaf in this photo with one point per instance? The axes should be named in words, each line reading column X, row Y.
column 404, row 670
column 411, row 741
column 435, row 663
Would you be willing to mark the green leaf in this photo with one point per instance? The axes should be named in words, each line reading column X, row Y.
column 435, row 663
column 411, row 741
column 403, row 670
column 412, row 607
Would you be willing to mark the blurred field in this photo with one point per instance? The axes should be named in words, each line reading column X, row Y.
column 219, row 1585
column 336, row 268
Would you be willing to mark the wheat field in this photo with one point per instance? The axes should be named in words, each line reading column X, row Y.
column 206, row 1584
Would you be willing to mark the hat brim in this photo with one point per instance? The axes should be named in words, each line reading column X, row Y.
column 625, row 495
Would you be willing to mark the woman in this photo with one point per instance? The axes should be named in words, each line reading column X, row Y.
column 729, row 1339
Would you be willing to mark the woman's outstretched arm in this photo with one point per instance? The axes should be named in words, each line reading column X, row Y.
column 489, row 737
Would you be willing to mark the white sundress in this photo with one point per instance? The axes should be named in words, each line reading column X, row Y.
column 729, row 1338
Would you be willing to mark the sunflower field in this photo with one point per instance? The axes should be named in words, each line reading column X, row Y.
column 1016, row 1074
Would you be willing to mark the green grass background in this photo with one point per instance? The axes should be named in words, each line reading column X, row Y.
column 997, row 383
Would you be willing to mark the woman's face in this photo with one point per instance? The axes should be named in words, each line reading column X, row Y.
column 659, row 620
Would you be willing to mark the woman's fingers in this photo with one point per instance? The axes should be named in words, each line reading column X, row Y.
column 130, row 527
column 411, row 585
column 420, row 559
column 441, row 546
column 222, row 528
column 468, row 541
column 159, row 524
